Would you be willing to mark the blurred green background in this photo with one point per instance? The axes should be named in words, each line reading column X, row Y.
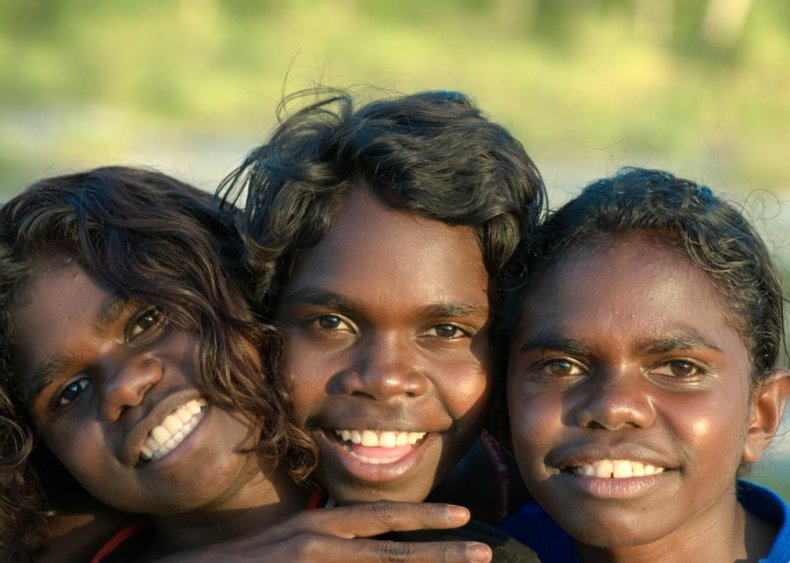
column 700, row 87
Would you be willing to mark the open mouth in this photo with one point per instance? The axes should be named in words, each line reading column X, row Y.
column 378, row 446
column 174, row 429
column 615, row 469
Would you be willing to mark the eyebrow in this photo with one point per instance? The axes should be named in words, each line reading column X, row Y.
column 329, row 299
column 109, row 312
column 44, row 375
column 345, row 305
column 551, row 341
column 454, row 310
column 681, row 340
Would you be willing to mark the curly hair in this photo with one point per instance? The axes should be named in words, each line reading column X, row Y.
column 159, row 241
column 432, row 153
column 700, row 227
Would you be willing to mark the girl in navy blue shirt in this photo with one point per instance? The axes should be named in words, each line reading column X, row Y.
column 642, row 379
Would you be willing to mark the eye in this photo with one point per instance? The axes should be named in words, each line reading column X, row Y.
column 333, row 323
column 679, row 369
column 560, row 367
column 72, row 391
column 328, row 322
column 448, row 331
column 146, row 323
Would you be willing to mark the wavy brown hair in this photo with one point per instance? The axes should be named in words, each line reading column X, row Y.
column 158, row 241
column 433, row 154
column 702, row 228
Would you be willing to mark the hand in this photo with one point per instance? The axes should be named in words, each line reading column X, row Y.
column 342, row 535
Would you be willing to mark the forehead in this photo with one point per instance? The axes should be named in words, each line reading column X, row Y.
column 58, row 308
column 370, row 244
column 628, row 286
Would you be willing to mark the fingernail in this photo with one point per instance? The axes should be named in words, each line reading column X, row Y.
column 457, row 512
column 479, row 552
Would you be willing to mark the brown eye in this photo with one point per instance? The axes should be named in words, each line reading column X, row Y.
column 329, row 322
column 561, row 367
column 680, row 369
column 448, row 331
column 683, row 373
column 145, row 323
column 72, row 391
column 329, row 325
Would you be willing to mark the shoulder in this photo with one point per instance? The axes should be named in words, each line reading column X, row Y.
column 768, row 506
column 533, row 527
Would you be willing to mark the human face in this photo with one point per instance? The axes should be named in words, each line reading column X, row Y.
column 105, row 378
column 629, row 397
column 386, row 326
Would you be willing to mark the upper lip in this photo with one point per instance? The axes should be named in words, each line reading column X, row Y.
column 382, row 418
column 139, row 432
column 569, row 456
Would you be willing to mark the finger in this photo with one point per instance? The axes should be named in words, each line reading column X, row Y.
column 372, row 519
column 309, row 547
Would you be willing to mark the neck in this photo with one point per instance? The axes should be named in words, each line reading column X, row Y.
column 733, row 536
column 260, row 504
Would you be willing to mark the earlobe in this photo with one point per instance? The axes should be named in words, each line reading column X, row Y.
column 768, row 408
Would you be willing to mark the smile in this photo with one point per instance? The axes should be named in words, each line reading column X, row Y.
column 378, row 447
column 375, row 438
column 616, row 469
column 173, row 430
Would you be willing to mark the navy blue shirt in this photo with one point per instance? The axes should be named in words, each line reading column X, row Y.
column 536, row 529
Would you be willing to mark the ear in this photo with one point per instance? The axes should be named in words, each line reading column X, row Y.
column 768, row 406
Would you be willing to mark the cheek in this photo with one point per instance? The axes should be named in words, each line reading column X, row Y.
column 83, row 458
column 711, row 428
column 308, row 378
column 466, row 386
column 535, row 422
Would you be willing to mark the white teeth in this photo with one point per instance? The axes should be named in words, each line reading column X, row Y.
column 621, row 469
column 381, row 439
column 165, row 437
column 160, row 434
column 604, row 468
column 172, row 423
column 369, row 438
column 617, row 469
column 388, row 440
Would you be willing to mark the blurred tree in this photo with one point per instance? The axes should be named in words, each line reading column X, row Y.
column 724, row 21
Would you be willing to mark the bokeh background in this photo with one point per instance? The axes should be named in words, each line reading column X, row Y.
column 700, row 87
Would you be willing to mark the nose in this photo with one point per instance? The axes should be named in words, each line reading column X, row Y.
column 126, row 384
column 384, row 367
column 614, row 400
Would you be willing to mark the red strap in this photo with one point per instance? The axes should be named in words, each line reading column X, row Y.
column 316, row 498
column 116, row 540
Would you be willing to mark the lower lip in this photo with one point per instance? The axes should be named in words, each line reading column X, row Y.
column 181, row 450
column 625, row 488
column 384, row 468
